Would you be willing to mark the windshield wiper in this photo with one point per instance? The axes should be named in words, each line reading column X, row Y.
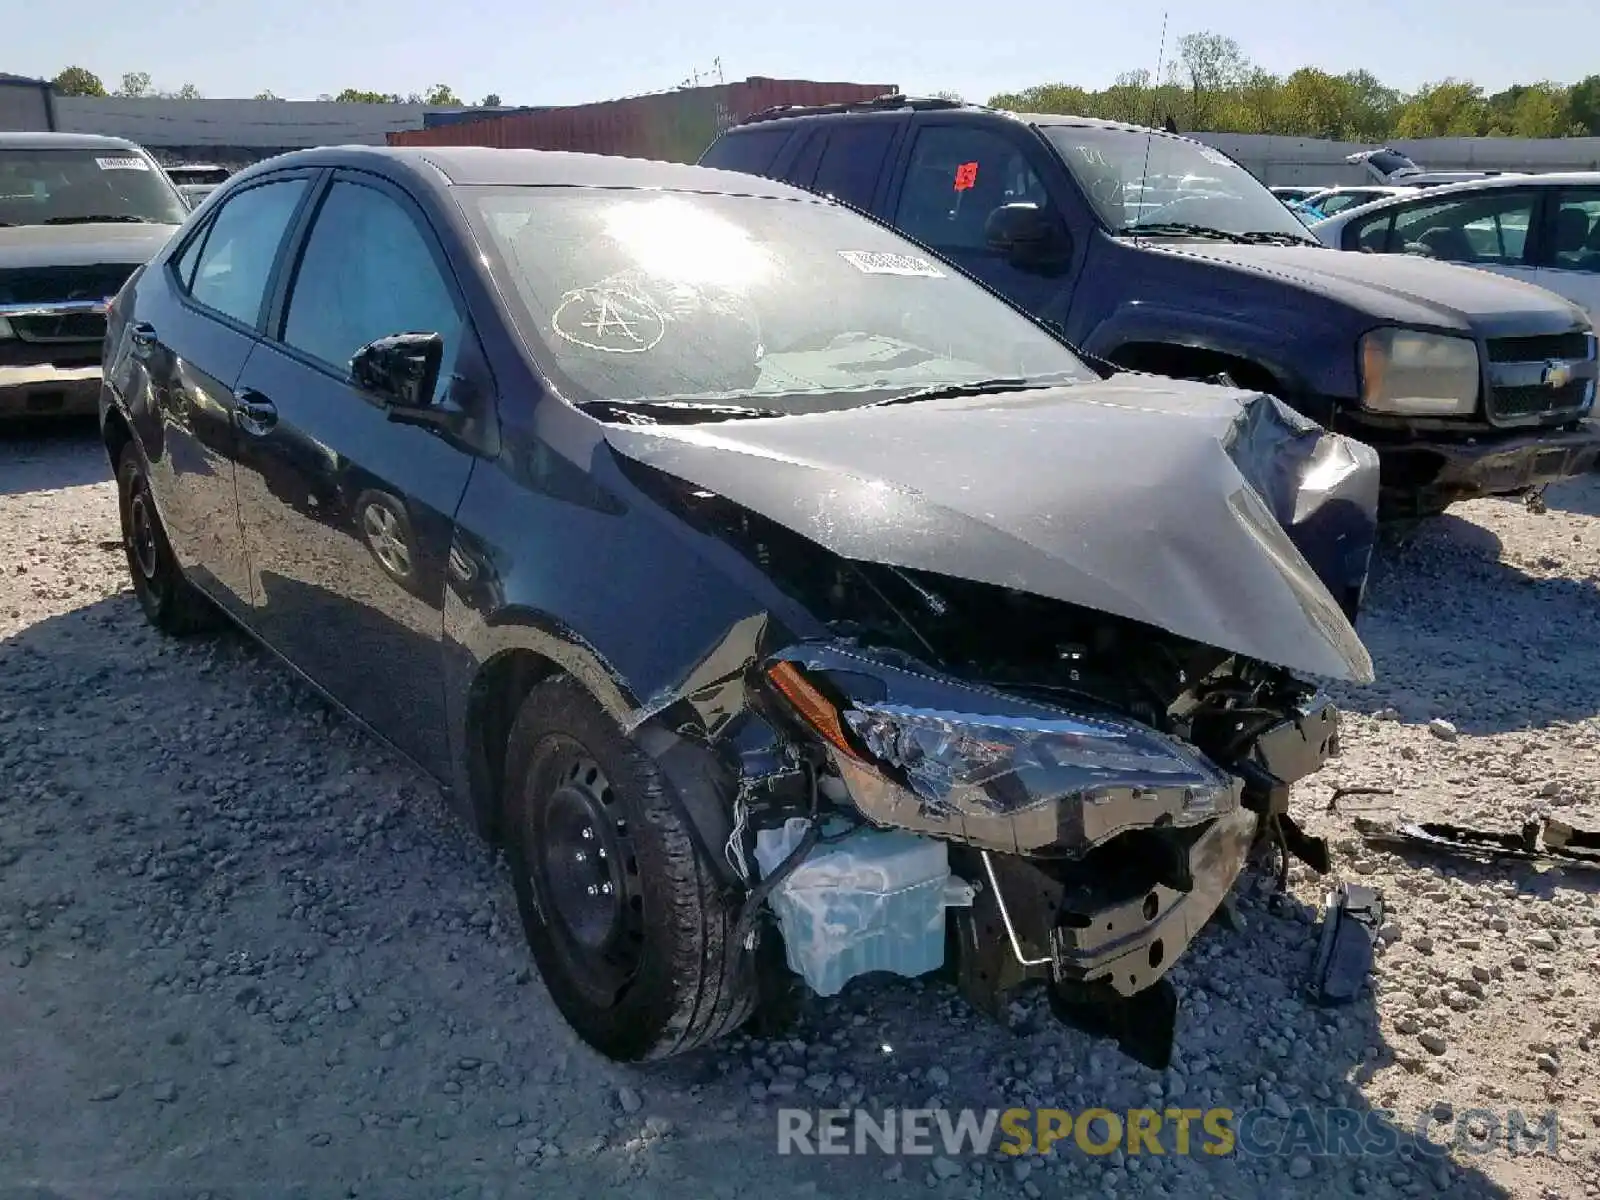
column 1176, row 229
column 100, row 219
column 683, row 411
column 978, row 387
column 1270, row 237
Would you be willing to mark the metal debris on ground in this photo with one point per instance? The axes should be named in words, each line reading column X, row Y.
column 1548, row 841
column 1351, row 917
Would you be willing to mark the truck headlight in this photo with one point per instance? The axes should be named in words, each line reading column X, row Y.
column 5, row 330
column 1419, row 374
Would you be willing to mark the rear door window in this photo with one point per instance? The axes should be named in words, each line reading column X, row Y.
column 752, row 152
column 853, row 160
column 804, row 167
column 1572, row 242
column 231, row 274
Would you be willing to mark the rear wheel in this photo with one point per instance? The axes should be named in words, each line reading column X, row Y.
column 624, row 916
column 170, row 602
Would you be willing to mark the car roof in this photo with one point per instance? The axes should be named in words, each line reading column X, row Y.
column 64, row 141
column 899, row 105
column 1469, row 186
column 446, row 166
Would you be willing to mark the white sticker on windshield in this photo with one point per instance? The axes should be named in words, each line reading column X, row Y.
column 129, row 163
column 880, row 262
column 1215, row 156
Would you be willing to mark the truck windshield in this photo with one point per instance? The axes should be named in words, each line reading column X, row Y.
column 82, row 187
column 1136, row 179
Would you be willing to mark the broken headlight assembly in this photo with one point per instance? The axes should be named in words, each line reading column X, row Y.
column 941, row 757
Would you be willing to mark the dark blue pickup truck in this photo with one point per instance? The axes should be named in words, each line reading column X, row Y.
column 1161, row 254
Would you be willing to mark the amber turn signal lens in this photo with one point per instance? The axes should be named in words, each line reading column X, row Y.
column 817, row 710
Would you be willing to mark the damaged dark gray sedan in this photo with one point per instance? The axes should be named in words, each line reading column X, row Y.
column 783, row 602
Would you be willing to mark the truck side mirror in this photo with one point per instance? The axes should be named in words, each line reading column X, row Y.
column 1029, row 237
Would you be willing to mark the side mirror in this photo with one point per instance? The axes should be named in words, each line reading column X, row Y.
column 1027, row 235
column 403, row 368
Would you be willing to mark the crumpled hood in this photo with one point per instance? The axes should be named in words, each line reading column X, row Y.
column 1395, row 287
column 32, row 246
column 1147, row 498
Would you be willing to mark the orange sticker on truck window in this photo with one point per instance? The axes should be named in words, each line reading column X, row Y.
column 966, row 176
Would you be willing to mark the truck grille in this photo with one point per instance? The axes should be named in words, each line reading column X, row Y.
column 1517, row 370
column 53, row 285
column 71, row 327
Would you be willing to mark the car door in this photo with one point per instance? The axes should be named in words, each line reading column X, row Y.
column 956, row 175
column 189, row 340
column 1488, row 229
column 1569, row 249
column 347, row 513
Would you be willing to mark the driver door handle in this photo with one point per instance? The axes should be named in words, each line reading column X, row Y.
column 255, row 413
column 143, row 336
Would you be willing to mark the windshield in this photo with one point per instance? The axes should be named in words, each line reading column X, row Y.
column 1135, row 179
column 66, row 187
column 198, row 175
column 775, row 305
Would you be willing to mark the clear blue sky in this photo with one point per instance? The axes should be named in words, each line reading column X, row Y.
column 534, row 53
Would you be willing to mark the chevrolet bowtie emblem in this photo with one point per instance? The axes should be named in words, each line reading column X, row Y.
column 1556, row 374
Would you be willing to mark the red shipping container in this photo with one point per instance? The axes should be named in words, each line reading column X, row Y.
column 672, row 126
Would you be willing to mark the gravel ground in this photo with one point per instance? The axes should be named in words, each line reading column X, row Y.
column 245, row 952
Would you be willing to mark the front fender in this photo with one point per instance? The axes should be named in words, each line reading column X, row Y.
column 1169, row 325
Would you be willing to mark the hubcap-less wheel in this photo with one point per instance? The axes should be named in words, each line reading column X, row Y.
column 386, row 540
column 584, row 862
column 142, row 534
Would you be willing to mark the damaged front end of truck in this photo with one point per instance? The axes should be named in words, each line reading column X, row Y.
column 1056, row 703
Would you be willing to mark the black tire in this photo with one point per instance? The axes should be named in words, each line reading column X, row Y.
column 170, row 602
column 653, row 976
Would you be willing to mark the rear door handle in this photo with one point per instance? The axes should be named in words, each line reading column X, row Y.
column 143, row 335
column 255, row 413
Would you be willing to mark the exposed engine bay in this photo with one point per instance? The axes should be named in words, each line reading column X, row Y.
column 1092, row 775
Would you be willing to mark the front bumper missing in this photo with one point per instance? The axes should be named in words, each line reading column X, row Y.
column 1428, row 475
column 1103, row 931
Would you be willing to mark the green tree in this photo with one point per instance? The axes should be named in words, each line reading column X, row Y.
column 78, row 81
column 356, row 96
column 187, row 92
column 135, row 85
column 492, row 100
column 1583, row 104
column 1451, row 108
column 441, row 95
column 1211, row 65
column 267, row 94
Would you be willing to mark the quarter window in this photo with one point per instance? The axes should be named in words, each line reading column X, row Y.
column 753, row 152
column 367, row 273
column 231, row 273
column 958, row 176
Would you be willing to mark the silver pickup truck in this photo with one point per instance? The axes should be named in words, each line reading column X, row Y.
column 78, row 214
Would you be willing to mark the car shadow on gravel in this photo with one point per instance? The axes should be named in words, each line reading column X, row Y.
column 248, row 818
column 39, row 455
column 1459, row 632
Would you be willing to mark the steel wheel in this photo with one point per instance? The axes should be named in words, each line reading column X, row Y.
column 583, row 864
